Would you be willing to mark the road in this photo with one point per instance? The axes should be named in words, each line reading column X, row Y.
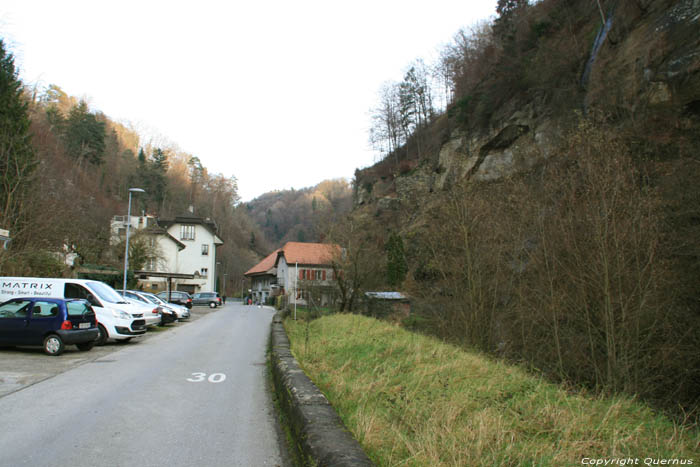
column 194, row 395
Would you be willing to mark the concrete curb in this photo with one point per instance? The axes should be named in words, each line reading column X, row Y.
column 318, row 431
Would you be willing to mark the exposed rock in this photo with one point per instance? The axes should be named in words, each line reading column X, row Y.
column 653, row 63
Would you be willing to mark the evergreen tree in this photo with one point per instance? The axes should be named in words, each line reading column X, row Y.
column 396, row 267
column 85, row 135
column 17, row 159
column 157, row 180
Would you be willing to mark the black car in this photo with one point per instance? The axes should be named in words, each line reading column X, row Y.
column 210, row 299
column 175, row 296
column 49, row 322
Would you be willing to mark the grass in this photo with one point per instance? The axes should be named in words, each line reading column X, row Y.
column 416, row 401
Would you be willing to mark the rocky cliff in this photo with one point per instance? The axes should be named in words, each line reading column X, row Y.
column 643, row 72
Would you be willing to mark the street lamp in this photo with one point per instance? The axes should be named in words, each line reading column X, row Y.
column 128, row 225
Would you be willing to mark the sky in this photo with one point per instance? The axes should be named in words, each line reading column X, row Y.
column 276, row 93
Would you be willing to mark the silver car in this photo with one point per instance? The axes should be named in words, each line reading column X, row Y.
column 182, row 312
column 152, row 313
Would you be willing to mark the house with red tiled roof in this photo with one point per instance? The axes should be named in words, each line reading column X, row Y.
column 302, row 271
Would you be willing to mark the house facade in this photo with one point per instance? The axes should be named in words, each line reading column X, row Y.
column 181, row 246
column 302, row 271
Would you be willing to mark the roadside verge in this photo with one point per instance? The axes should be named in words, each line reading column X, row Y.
column 318, row 431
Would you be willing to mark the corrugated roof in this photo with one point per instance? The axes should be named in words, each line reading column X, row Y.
column 386, row 295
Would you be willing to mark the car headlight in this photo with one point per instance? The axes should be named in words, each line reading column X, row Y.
column 120, row 314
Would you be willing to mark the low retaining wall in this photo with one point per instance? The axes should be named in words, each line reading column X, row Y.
column 318, row 431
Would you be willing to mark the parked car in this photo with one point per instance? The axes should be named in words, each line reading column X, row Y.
column 211, row 299
column 181, row 311
column 177, row 297
column 153, row 314
column 116, row 318
column 136, row 296
column 51, row 323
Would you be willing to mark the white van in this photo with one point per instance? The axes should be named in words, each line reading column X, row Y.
column 116, row 318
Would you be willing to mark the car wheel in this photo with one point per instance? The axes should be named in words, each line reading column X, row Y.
column 53, row 345
column 102, row 335
column 212, row 304
column 85, row 346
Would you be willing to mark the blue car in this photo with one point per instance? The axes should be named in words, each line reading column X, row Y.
column 51, row 323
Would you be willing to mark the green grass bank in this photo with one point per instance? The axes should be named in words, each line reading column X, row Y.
column 413, row 400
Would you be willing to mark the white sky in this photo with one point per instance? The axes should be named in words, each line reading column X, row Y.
column 277, row 93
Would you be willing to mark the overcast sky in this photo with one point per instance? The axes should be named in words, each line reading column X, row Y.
column 276, row 93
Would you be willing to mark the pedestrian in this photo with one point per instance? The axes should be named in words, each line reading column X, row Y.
column 223, row 297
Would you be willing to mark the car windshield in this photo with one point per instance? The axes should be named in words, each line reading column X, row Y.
column 149, row 298
column 155, row 298
column 136, row 297
column 106, row 293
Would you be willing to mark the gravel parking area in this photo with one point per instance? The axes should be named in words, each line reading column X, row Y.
column 24, row 366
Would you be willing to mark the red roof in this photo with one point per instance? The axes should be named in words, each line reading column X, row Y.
column 264, row 265
column 309, row 253
column 296, row 252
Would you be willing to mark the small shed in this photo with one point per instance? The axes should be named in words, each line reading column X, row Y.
column 387, row 305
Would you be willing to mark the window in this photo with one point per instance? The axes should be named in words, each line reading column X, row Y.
column 204, row 272
column 16, row 309
column 205, row 249
column 77, row 308
column 45, row 310
column 187, row 232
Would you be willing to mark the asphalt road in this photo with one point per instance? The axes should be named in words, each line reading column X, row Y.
column 193, row 395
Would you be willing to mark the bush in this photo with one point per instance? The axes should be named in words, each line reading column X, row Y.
column 567, row 268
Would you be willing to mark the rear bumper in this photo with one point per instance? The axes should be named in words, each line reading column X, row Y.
column 77, row 336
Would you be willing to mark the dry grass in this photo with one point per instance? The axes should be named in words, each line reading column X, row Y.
column 413, row 400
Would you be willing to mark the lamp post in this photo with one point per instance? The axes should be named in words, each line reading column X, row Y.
column 128, row 225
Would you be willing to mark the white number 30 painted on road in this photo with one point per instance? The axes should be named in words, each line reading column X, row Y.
column 213, row 378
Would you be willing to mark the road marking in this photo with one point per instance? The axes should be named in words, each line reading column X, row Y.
column 198, row 377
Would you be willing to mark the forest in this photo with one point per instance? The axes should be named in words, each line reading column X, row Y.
column 66, row 171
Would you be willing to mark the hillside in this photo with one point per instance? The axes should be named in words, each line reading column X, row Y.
column 415, row 400
column 66, row 170
column 300, row 215
column 550, row 215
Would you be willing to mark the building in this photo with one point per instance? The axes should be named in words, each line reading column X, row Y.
column 302, row 271
column 5, row 238
column 180, row 247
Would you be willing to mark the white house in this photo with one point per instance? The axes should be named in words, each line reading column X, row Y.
column 299, row 270
column 184, row 245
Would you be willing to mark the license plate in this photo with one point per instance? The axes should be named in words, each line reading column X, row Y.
column 83, row 325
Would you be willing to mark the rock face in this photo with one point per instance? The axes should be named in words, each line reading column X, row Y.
column 648, row 65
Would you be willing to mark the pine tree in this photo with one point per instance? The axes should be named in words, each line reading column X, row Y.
column 396, row 267
column 17, row 159
column 85, row 135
